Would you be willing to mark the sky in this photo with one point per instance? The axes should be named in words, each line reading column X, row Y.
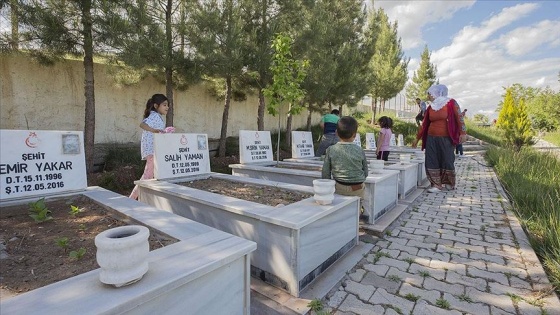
column 479, row 47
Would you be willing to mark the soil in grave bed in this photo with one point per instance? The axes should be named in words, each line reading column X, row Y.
column 267, row 195
column 34, row 254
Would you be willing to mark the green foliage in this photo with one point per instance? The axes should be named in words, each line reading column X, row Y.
column 287, row 76
column 443, row 303
column 315, row 305
column 62, row 243
column 481, row 119
column 78, row 254
column 531, row 179
column 553, row 137
column 412, row 297
column 514, row 121
column 74, row 210
column 39, row 212
column 422, row 79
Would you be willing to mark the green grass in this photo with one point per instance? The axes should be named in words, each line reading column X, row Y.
column 491, row 134
column 553, row 137
column 532, row 180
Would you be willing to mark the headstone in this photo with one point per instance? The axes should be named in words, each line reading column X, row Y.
column 370, row 141
column 38, row 163
column 180, row 154
column 393, row 142
column 302, row 144
column 357, row 140
column 400, row 140
column 255, row 146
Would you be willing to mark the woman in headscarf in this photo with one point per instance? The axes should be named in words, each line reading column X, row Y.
column 442, row 129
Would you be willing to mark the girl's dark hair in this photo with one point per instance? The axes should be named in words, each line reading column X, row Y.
column 385, row 122
column 347, row 126
column 155, row 99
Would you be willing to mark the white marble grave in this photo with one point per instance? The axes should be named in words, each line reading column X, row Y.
column 381, row 190
column 408, row 177
column 302, row 144
column 205, row 272
column 295, row 242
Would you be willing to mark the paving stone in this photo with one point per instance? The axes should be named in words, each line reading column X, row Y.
column 437, row 240
column 490, row 276
column 434, row 255
column 354, row 305
column 428, row 234
column 458, row 268
column 438, row 274
column 423, row 308
column 390, row 311
column 499, row 311
column 401, row 240
column 376, row 281
column 501, row 289
column 469, row 236
column 528, row 309
column 420, row 244
column 453, row 250
column 453, row 288
column 402, row 265
column 383, row 297
column 337, row 298
column 453, row 277
column 357, row 275
column 463, row 306
column 378, row 269
column 500, row 301
column 364, row 292
column 470, row 247
column 416, row 280
column 496, row 246
column 486, row 257
column 429, row 295
column 518, row 272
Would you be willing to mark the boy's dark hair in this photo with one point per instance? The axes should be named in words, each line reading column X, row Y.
column 385, row 122
column 335, row 112
column 347, row 127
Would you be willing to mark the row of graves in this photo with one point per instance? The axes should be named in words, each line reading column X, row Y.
column 226, row 245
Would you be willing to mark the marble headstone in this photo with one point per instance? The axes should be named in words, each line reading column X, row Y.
column 255, row 146
column 302, row 144
column 180, row 154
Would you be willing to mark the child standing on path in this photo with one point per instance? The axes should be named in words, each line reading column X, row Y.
column 384, row 140
column 156, row 107
column 346, row 162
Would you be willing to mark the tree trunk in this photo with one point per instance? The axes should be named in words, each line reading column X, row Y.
column 225, row 116
column 169, row 63
column 373, row 110
column 340, row 110
column 89, row 86
column 14, row 38
column 308, row 125
column 289, row 127
column 260, row 113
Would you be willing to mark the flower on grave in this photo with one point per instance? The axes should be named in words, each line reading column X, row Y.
column 169, row 129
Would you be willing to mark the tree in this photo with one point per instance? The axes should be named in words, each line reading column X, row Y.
column 481, row 118
column 53, row 29
column 388, row 69
column 149, row 36
column 422, row 79
column 216, row 34
column 287, row 75
column 514, row 121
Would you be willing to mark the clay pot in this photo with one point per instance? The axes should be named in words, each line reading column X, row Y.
column 324, row 191
column 122, row 254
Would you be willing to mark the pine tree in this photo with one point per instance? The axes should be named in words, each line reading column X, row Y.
column 422, row 79
column 514, row 121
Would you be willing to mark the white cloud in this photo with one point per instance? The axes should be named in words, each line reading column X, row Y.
column 412, row 16
column 523, row 40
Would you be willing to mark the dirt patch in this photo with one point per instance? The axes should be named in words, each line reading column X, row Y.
column 33, row 254
column 267, row 195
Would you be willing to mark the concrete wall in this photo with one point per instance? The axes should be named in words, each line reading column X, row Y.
column 52, row 98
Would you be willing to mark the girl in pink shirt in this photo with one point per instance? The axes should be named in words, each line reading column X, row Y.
column 384, row 140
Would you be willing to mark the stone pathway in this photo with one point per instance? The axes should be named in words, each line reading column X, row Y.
column 456, row 252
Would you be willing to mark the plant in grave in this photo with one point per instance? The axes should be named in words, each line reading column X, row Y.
column 315, row 305
column 74, row 210
column 39, row 212
column 412, row 297
column 82, row 227
column 465, row 298
column 77, row 254
column 443, row 303
column 424, row 274
column 62, row 243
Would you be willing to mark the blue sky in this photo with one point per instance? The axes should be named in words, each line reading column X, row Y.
column 479, row 47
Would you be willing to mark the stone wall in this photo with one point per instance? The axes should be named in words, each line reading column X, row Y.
column 38, row 97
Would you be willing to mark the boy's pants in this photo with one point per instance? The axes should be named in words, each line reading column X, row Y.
column 347, row 191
